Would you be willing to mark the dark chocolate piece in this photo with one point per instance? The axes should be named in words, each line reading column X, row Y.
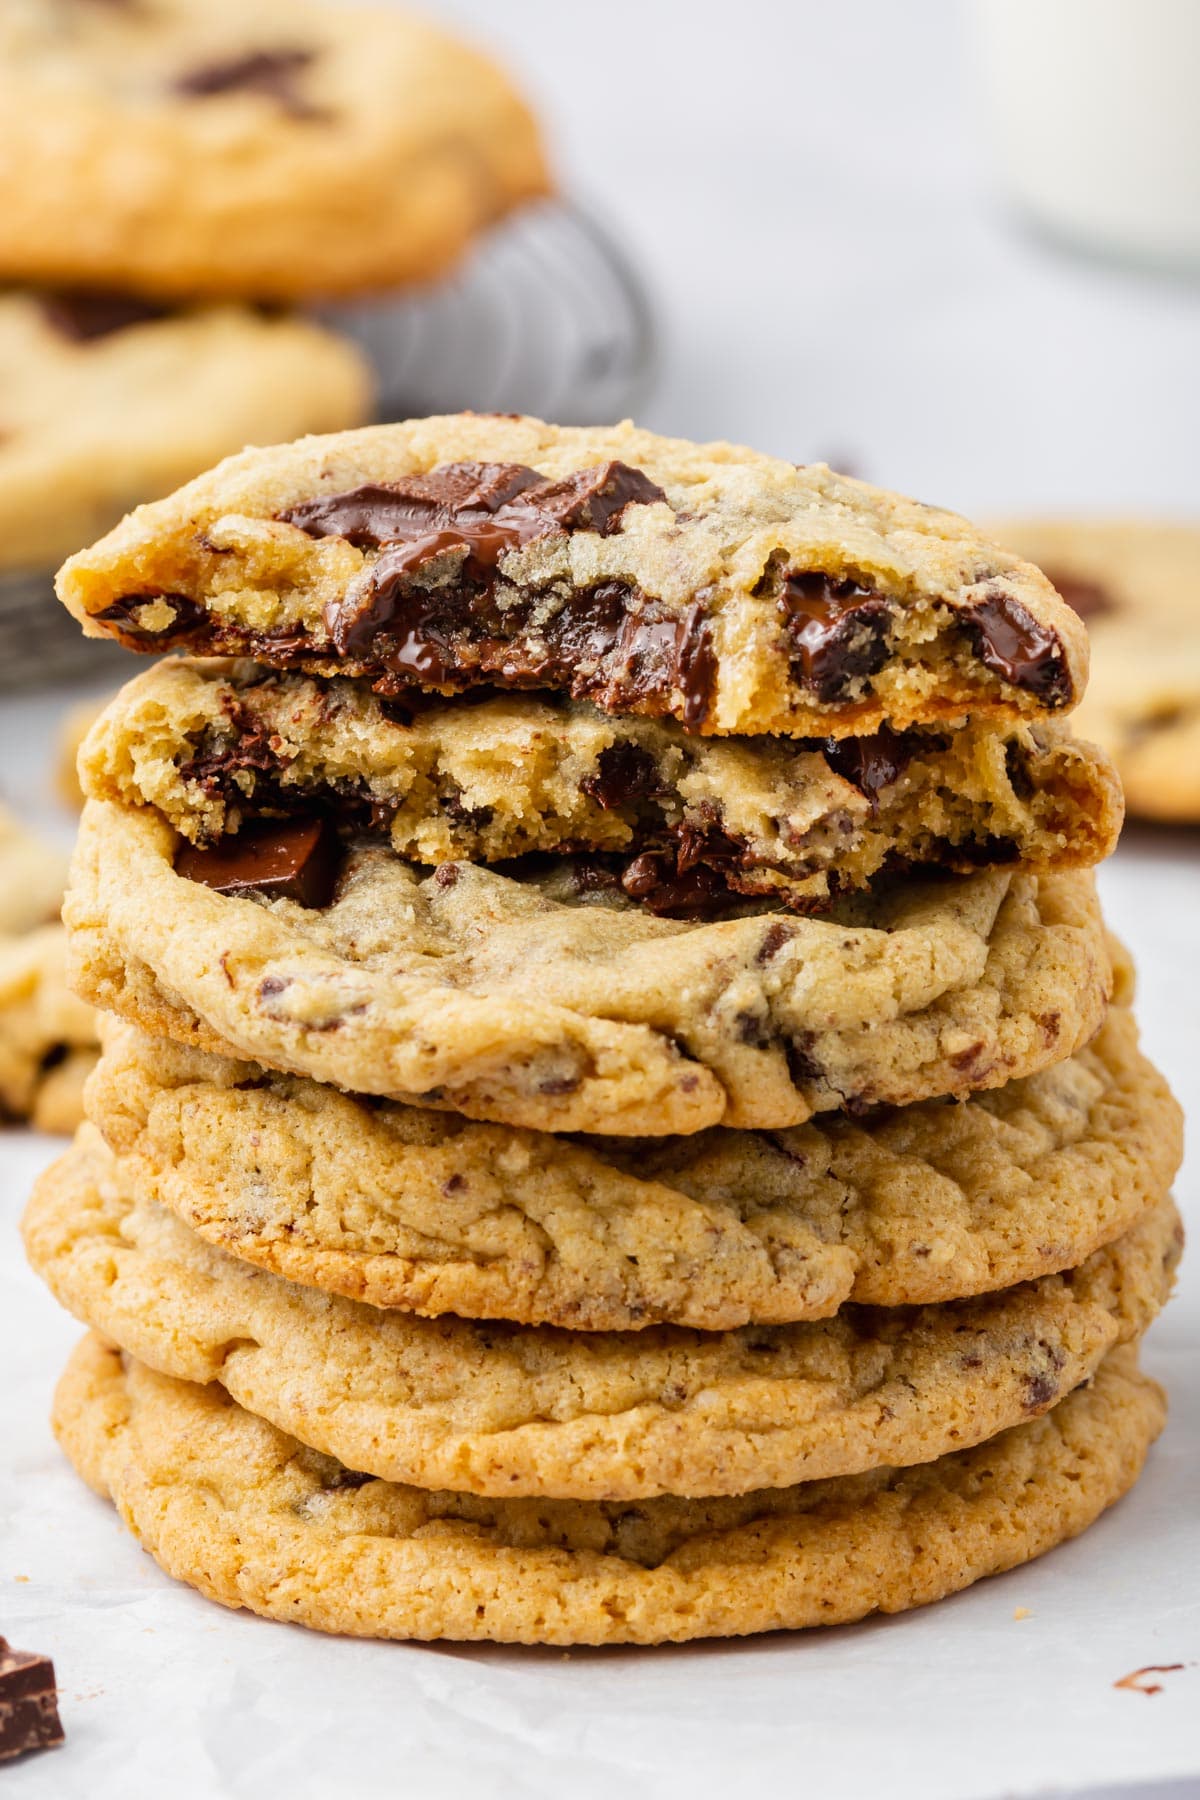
column 663, row 886
column 28, row 1703
column 838, row 631
column 84, row 314
column 297, row 861
column 1086, row 598
column 625, row 772
column 125, row 615
column 271, row 73
column 871, row 763
column 1011, row 643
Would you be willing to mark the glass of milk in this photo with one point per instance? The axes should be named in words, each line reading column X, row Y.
column 1095, row 110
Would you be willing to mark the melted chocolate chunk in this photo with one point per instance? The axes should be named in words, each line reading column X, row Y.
column 625, row 772
column 125, row 617
column 609, row 642
column 664, row 887
column 1086, row 598
column 28, row 1703
column 282, row 862
column 84, row 314
column 838, row 631
column 871, row 763
column 271, row 73
column 1011, row 643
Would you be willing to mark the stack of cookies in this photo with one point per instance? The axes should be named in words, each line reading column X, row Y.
column 621, row 1120
column 178, row 179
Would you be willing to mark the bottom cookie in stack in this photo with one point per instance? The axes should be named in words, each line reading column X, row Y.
column 250, row 1517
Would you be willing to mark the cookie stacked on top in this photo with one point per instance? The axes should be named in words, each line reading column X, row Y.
column 621, row 1120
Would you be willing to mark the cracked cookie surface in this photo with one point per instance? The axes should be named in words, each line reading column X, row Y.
column 1136, row 584
column 529, row 1002
column 297, row 1537
column 490, row 1409
column 279, row 151
column 683, row 824
column 732, row 592
column 401, row 1206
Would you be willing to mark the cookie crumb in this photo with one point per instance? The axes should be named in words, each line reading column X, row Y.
column 1136, row 1684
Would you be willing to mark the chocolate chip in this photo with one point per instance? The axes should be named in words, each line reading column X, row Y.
column 872, row 763
column 84, row 314
column 28, row 1703
column 774, row 938
column 1016, row 767
column 1086, row 598
column 446, row 874
column 663, row 887
column 271, row 73
column 624, row 772
column 838, row 631
column 1011, row 643
column 802, row 1065
column 297, row 862
column 1040, row 1390
column 125, row 616
column 752, row 1029
column 342, row 1479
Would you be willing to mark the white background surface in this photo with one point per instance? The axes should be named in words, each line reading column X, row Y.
column 805, row 187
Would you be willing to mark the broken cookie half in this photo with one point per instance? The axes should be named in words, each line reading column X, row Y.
column 254, row 769
column 729, row 591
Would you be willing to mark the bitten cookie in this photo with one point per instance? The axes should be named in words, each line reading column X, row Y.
column 727, row 590
column 400, row 1206
column 273, row 151
column 531, row 1410
column 227, row 1503
column 106, row 401
column 1136, row 584
column 685, row 825
column 538, row 1001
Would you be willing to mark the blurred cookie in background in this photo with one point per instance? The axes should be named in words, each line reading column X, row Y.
column 106, row 402
column 282, row 150
column 1136, row 584
column 48, row 1040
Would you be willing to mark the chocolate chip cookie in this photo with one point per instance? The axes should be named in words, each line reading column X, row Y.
column 540, row 1000
column 403, row 1207
column 47, row 1036
column 106, row 401
column 729, row 591
column 224, row 1501
column 1136, row 584
column 683, row 824
column 573, row 1415
column 275, row 151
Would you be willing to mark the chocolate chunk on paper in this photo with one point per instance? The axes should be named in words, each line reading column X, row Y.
column 28, row 1703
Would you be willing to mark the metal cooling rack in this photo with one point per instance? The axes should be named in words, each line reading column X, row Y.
column 546, row 316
